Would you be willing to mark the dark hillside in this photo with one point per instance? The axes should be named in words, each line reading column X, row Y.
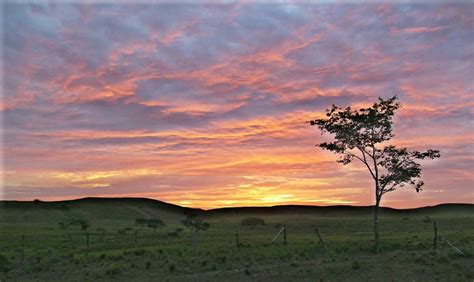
column 130, row 208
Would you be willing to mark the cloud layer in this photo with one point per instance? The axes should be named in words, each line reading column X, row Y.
column 205, row 105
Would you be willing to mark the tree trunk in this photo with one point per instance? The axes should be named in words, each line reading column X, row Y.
column 376, row 225
column 376, row 229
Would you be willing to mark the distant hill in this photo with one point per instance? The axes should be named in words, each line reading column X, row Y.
column 131, row 208
column 93, row 208
column 341, row 209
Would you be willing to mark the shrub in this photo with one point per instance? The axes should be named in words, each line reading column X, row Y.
column 148, row 265
column 355, row 265
column 252, row 221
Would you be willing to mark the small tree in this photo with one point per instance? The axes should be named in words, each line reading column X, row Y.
column 358, row 134
column 82, row 223
column 155, row 223
column 173, row 234
column 195, row 224
column 141, row 222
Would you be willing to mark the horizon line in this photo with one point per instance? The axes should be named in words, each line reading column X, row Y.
column 236, row 207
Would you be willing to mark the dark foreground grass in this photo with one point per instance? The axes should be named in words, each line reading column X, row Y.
column 33, row 247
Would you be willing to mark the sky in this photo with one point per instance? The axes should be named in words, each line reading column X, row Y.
column 207, row 105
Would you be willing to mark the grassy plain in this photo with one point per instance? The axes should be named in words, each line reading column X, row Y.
column 34, row 248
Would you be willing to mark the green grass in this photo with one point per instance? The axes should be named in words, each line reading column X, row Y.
column 47, row 254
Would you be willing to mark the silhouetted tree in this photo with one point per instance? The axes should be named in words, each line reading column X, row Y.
column 195, row 224
column 358, row 134
column 174, row 234
column 82, row 223
column 155, row 223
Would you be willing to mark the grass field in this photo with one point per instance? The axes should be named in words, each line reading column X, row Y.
column 33, row 247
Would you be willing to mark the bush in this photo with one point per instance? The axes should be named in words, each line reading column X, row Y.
column 252, row 221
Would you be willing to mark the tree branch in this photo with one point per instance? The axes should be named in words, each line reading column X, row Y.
column 379, row 193
column 365, row 162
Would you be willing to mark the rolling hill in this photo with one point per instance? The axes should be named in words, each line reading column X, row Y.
column 131, row 208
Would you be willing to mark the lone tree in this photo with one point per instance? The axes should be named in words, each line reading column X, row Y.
column 358, row 134
column 155, row 223
column 195, row 224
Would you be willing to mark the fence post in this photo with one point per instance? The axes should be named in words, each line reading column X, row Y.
column 320, row 238
column 435, row 235
column 276, row 236
column 284, row 235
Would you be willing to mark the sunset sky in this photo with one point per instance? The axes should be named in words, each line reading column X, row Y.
column 206, row 105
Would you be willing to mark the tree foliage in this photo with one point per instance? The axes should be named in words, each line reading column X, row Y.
column 81, row 223
column 193, row 222
column 358, row 134
column 155, row 223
